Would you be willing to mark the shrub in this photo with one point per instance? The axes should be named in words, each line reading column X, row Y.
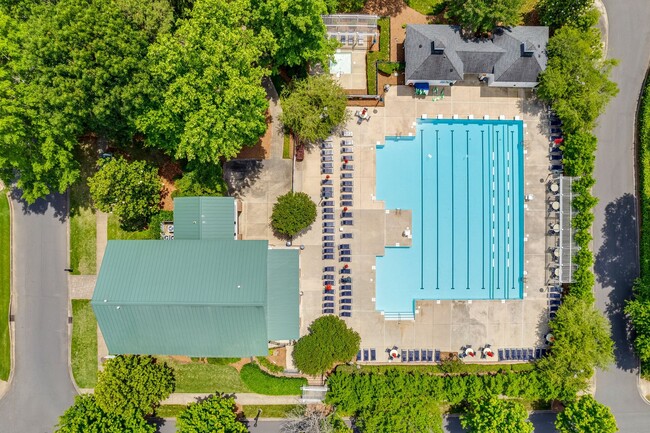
column 293, row 213
column 201, row 180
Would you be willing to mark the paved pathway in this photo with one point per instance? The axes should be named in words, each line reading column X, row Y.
column 615, row 226
column 277, row 135
column 240, row 398
column 41, row 388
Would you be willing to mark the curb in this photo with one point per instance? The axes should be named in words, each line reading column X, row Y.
column 603, row 25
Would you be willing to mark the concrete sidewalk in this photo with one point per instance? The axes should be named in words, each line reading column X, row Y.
column 240, row 398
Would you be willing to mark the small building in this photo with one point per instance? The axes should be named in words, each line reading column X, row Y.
column 437, row 55
column 204, row 294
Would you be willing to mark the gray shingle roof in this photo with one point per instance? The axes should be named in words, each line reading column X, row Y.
column 438, row 52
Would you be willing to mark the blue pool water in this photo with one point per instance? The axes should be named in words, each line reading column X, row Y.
column 463, row 181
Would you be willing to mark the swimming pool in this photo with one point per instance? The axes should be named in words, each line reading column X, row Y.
column 463, row 181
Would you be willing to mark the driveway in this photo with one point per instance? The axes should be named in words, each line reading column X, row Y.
column 41, row 389
column 615, row 226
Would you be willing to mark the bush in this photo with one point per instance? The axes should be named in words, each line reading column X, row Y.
column 264, row 362
column 293, row 213
column 373, row 56
column 201, row 180
column 156, row 220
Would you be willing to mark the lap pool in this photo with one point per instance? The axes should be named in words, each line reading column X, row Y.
column 463, row 181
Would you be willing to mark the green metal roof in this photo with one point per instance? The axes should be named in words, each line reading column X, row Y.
column 283, row 294
column 204, row 218
column 196, row 298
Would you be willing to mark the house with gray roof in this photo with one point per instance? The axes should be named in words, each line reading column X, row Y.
column 202, row 294
column 438, row 55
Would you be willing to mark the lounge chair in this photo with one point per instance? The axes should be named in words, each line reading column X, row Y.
column 326, row 158
column 328, row 268
column 416, row 356
column 328, row 310
column 429, row 355
column 366, row 356
column 437, row 354
column 327, row 203
column 347, row 203
column 555, row 302
column 327, row 165
column 347, row 167
column 326, row 146
column 327, row 188
column 328, row 244
column 328, row 298
column 328, row 216
column 345, row 307
column 347, row 223
column 520, row 355
column 346, row 150
column 328, row 256
column 328, row 230
column 345, row 301
column 347, row 142
column 327, row 194
column 373, row 355
column 538, row 353
column 345, row 314
column 346, row 197
column 524, row 355
column 345, row 259
column 347, row 157
column 346, row 235
column 507, row 355
column 328, row 224
column 326, row 152
column 544, row 352
column 555, row 295
column 328, row 238
column 347, row 182
column 403, row 356
column 552, row 315
column 326, row 171
column 346, row 133
column 346, row 280
column 410, row 355
column 501, row 356
column 344, row 246
column 346, row 287
column 328, row 304
column 346, row 293
column 345, row 252
column 326, row 182
column 346, row 175
column 346, row 214
column 328, row 250
column 530, row 354
column 328, row 276
column 359, row 355
column 345, row 271
column 347, row 189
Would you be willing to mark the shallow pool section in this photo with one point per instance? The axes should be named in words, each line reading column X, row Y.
column 463, row 181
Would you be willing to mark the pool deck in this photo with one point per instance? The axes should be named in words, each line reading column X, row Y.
column 441, row 325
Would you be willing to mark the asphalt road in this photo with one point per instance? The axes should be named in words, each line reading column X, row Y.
column 41, row 389
column 615, row 227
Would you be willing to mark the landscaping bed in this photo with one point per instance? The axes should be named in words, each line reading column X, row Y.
column 263, row 383
column 5, row 286
column 84, row 344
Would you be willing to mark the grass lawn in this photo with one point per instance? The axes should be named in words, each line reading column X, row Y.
column 169, row 410
column 115, row 232
column 84, row 344
column 425, row 7
column 5, row 286
column 202, row 378
column 286, row 147
column 263, row 383
column 83, row 240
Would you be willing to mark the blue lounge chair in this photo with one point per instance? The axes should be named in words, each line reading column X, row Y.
column 345, row 314
column 554, row 308
column 524, row 355
column 328, row 276
column 423, row 354
column 347, row 142
column 345, row 307
column 346, row 236
column 328, row 310
column 365, row 355
column 328, row 244
column 347, row 183
column 328, row 256
column 328, row 304
column 507, row 355
column 429, row 357
column 347, row 167
column 373, row 355
column 346, row 279
column 327, row 165
column 347, row 150
column 346, row 293
column 359, row 356
column 328, row 238
column 530, row 354
column 328, row 282
column 410, row 355
column 328, row 224
column 416, row 355
column 555, row 295
column 326, row 152
column 346, row 214
column 347, row 175
column 328, row 216
column 347, row 203
column 437, row 353
column 326, row 171
column 344, row 246
column 345, row 259
column 326, row 158
column 345, row 252
column 328, row 250
column 348, row 157
column 328, row 298
column 328, row 268
column 346, row 197
column 345, row 301
column 538, row 353
column 327, row 194
column 347, row 223
column 552, row 315
column 555, row 302
column 328, row 230
column 346, row 286
column 544, row 352
column 326, row 146
column 346, row 271
column 347, row 189
column 326, row 203
column 501, row 358
column 328, row 210
column 519, row 355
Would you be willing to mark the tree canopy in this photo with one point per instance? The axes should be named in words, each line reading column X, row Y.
column 86, row 416
column 329, row 341
column 576, row 80
column 293, row 213
column 496, row 415
column 214, row 414
column 133, row 385
column 586, row 415
column 478, row 17
column 299, row 33
column 557, row 13
column 313, row 107
column 582, row 343
column 211, row 102
column 131, row 190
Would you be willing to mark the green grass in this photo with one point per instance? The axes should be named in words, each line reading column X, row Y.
column 202, row 378
column 382, row 54
column 84, row 344
column 115, row 232
column 5, row 286
column 269, row 411
column 426, row 7
column 170, row 410
column 83, row 241
column 273, row 368
column 286, row 147
column 263, row 383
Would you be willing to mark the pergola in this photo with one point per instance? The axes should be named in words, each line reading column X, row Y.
column 567, row 243
column 351, row 25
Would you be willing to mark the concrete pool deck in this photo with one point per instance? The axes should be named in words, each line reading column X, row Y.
column 441, row 325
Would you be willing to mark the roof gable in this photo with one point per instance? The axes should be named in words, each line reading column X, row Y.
column 204, row 218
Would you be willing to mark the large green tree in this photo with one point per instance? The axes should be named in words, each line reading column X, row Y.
column 578, row 153
column 638, row 310
column 576, row 80
column 133, row 385
column 477, row 17
column 313, row 107
column 329, row 341
column 86, row 416
column 586, row 415
column 582, row 343
column 298, row 29
column 394, row 414
column 211, row 102
column 293, row 213
column 214, row 414
column 557, row 13
column 69, row 68
column 131, row 190
column 495, row 415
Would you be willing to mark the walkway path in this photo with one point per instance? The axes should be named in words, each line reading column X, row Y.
column 240, row 398
column 277, row 137
column 615, row 226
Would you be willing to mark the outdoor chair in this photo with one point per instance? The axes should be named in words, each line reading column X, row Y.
column 345, row 252
column 347, row 189
column 347, row 223
column 348, row 167
column 345, row 301
column 346, row 280
column 530, row 354
column 326, row 171
column 519, row 355
column 507, row 355
column 346, row 307
column 347, row 142
column 538, row 353
column 429, row 355
column 544, row 352
column 346, row 133
column 328, row 250
column 344, row 246
column 328, row 224
column 346, row 271
column 328, row 269
column 326, row 182
column 346, row 236
column 328, row 256
column 345, row 314
column 373, row 355
column 346, row 175
column 327, row 203
column 328, row 210
column 346, row 196
column 365, row 355
column 346, row 214
column 347, row 150
column 347, row 158
column 416, row 356
column 346, row 293
column 328, row 230
column 328, row 310
column 328, row 238
column 346, row 286
column 328, row 244
column 326, row 146
column 328, row 304
column 326, row 152
column 328, row 277
column 501, row 358
column 437, row 353
column 410, row 355
column 345, row 259
column 359, row 356
column 327, row 165
column 347, row 182
column 328, row 298
column 326, row 158
column 555, row 295
column 346, row 203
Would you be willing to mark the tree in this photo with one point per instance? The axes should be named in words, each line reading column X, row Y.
column 293, row 213
column 313, row 419
column 638, row 310
column 85, row 416
column 586, row 415
column 312, row 108
column 214, row 414
column 211, row 102
column 133, row 385
column 496, row 415
column 131, row 190
column 329, row 341
column 201, row 180
column 68, row 68
column 299, row 32
column 393, row 414
column 578, row 151
column 478, row 17
column 557, row 13
column 582, row 342
column 576, row 80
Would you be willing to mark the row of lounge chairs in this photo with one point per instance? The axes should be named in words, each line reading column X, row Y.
column 368, row 355
column 422, row 355
column 521, row 354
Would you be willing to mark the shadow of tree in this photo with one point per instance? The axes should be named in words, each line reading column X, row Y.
column 58, row 202
column 616, row 267
column 241, row 174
